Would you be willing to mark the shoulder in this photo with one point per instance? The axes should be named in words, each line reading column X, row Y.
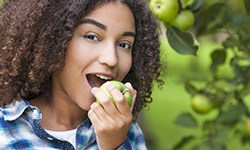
column 14, row 110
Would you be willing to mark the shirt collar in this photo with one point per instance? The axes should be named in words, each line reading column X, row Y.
column 15, row 109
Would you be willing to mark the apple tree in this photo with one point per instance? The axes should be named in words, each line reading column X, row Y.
column 224, row 91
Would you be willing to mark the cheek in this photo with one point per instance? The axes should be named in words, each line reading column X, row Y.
column 74, row 51
column 77, row 54
column 125, row 66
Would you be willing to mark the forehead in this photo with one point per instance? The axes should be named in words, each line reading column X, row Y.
column 113, row 12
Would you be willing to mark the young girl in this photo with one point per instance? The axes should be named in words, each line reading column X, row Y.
column 54, row 56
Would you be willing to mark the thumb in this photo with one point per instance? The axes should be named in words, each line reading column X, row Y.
column 133, row 92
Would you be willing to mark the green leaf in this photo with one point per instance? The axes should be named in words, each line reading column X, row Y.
column 185, row 140
column 214, row 17
column 208, row 145
column 247, row 6
column 181, row 42
column 196, row 5
column 191, row 89
column 214, row 10
column 186, row 120
column 186, row 3
column 233, row 114
column 246, row 90
column 208, row 125
column 218, row 58
column 245, row 139
column 231, row 42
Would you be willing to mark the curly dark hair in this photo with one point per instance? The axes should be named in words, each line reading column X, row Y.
column 34, row 39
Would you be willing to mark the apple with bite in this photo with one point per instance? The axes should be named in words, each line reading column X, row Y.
column 120, row 86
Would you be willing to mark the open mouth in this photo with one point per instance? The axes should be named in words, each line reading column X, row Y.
column 96, row 80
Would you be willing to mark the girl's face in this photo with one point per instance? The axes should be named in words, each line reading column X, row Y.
column 100, row 50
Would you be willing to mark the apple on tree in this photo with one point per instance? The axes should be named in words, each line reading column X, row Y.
column 120, row 86
column 201, row 104
column 184, row 20
column 164, row 10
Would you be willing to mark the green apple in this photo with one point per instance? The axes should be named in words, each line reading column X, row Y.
column 164, row 10
column 184, row 20
column 120, row 86
column 201, row 104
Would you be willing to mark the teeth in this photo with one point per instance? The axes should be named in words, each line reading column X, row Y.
column 103, row 77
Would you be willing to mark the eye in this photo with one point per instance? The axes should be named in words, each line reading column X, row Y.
column 125, row 45
column 91, row 37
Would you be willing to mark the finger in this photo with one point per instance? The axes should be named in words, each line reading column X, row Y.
column 131, row 89
column 119, row 99
column 94, row 118
column 133, row 92
column 106, row 103
column 98, row 109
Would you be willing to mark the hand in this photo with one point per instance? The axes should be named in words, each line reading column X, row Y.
column 111, row 122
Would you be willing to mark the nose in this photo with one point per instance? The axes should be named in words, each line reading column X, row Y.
column 108, row 55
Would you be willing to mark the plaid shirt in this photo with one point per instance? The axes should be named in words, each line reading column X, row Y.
column 20, row 129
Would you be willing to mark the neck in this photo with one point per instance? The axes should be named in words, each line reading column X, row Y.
column 59, row 115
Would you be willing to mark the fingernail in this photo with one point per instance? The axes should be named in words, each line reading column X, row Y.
column 94, row 89
column 94, row 105
column 109, row 85
column 128, row 84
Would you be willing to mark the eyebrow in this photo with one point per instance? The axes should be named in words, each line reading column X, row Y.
column 93, row 22
column 103, row 27
column 129, row 34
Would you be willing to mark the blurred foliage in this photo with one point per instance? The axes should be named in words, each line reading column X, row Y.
column 226, row 22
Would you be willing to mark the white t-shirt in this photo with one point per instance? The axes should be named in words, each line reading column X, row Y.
column 69, row 135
